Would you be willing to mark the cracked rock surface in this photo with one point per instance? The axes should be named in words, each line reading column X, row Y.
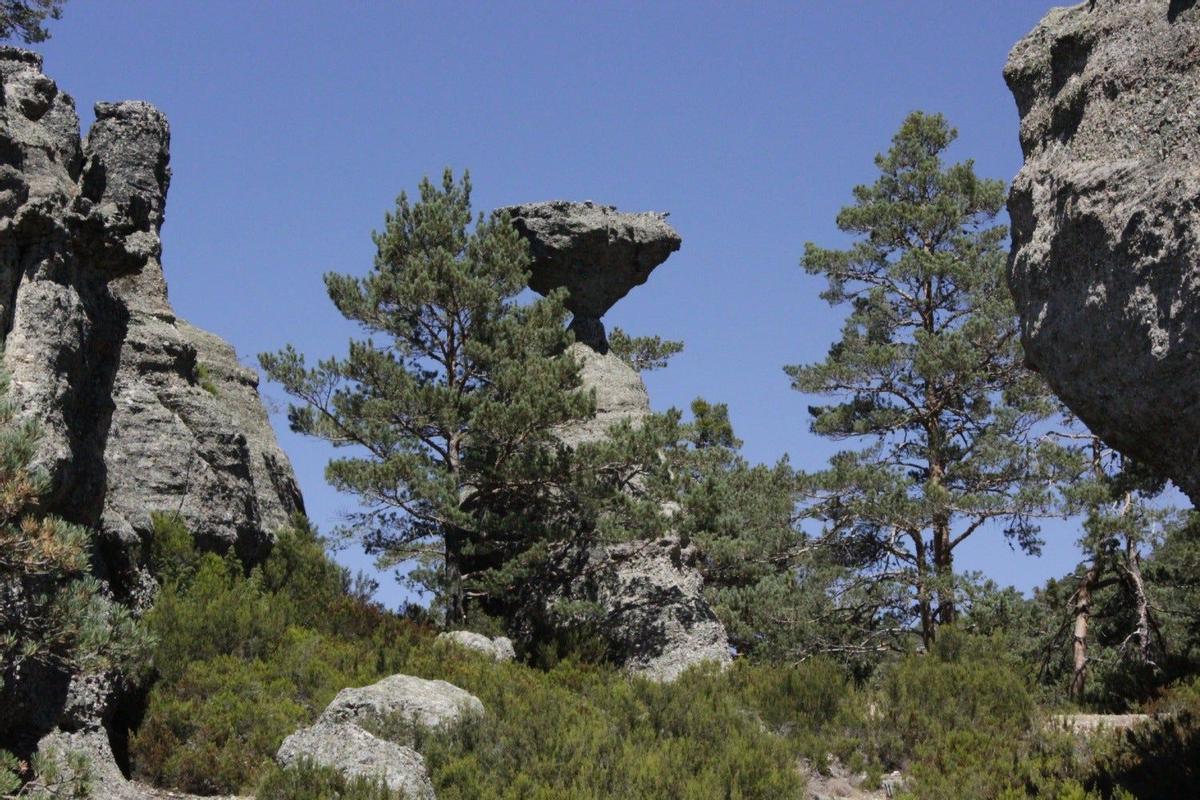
column 140, row 412
column 1105, row 263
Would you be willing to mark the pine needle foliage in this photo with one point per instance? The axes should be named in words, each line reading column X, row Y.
column 643, row 353
column 449, row 407
column 27, row 19
column 53, row 613
column 928, row 375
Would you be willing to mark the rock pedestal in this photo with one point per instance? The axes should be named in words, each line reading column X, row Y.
column 657, row 622
column 1105, row 263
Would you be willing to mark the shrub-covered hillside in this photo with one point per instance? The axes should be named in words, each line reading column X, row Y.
column 243, row 660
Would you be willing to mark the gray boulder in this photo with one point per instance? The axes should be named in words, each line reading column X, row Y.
column 355, row 753
column 431, row 704
column 1105, row 263
column 595, row 251
column 498, row 649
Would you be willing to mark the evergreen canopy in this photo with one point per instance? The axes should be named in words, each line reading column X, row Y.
column 928, row 373
column 449, row 407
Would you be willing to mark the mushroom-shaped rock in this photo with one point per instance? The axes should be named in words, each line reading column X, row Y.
column 431, row 704
column 498, row 649
column 356, row 753
column 596, row 252
column 1105, row 264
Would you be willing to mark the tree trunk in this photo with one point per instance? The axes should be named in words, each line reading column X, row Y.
column 944, row 568
column 1079, row 638
column 455, row 607
column 924, row 601
column 1133, row 571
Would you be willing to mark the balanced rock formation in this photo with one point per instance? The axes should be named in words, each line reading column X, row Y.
column 1105, row 263
column 657, row 622
column 139, row 411
column 597, row 253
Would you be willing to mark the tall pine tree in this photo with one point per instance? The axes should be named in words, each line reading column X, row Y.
column 448, row 409
column 928, row 375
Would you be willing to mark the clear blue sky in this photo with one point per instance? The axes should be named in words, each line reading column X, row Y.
column 294, row 126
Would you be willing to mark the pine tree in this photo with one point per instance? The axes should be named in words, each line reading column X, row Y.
column 928, row 374
column 643, row 353
column 27, row 18
column 740, row 517
column 1108, row 607
column 53, row 613
column 450, row 405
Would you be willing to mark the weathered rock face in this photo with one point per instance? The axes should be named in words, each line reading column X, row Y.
column 141, row 412
column 1105, row 264
column 596, row 252
column 655, row 619
column 620, row 394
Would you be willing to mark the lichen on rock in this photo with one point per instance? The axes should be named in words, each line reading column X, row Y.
column 1105, row 263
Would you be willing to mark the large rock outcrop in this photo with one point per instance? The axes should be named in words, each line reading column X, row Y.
column 655, row 619
column 140, row 412
column 1105, row 264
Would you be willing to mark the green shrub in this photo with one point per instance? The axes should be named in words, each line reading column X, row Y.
column 307, row 781
column 584, row 730
column 1160, row 759
column 245, row 659
column 52, row 776
column 212, row 731
column 962, row 685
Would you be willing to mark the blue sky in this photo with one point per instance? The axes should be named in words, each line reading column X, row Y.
column 295, row 125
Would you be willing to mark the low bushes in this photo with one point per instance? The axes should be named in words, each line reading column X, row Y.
column 245, row 659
